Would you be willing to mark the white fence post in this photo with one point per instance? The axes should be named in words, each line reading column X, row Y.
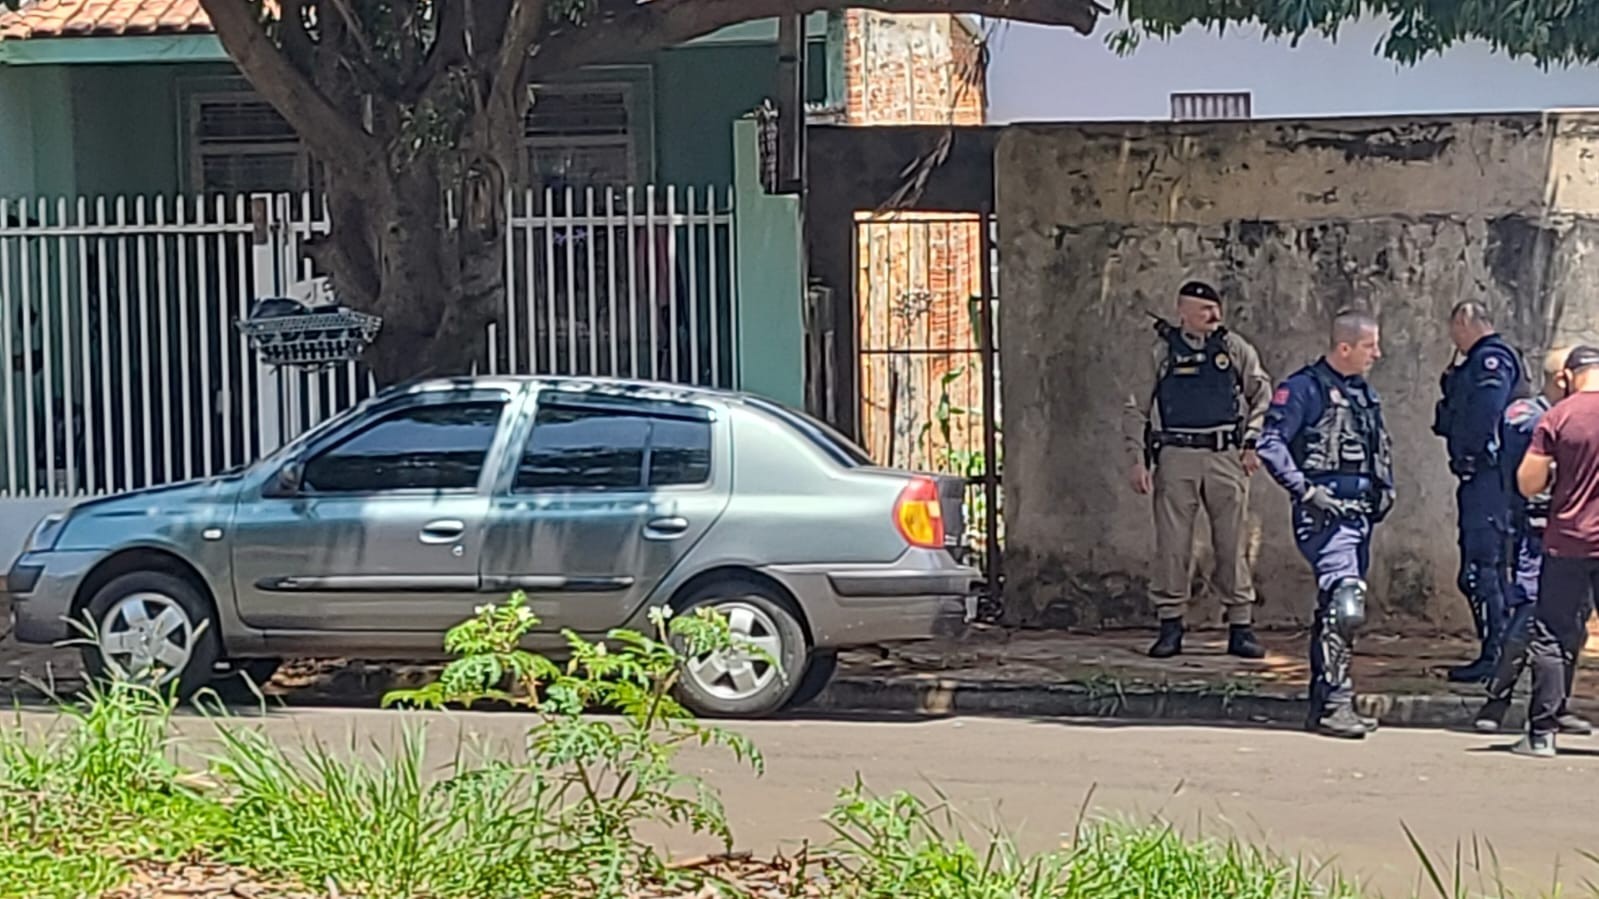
column 267, row 281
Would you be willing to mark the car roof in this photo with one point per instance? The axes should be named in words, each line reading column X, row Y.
column 632, row 388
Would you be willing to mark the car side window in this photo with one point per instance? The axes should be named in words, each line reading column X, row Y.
column 680, row 452
column 601, row 448
column 431, row 447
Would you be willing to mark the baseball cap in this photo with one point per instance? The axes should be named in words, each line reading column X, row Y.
column 1199, row 290
column 1582, row 357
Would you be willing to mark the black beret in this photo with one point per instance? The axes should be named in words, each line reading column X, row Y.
column 1199, row 290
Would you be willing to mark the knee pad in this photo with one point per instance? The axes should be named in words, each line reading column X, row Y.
column 1348, row 606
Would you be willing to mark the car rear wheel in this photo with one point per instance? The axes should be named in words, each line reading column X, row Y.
column 152, row 628
column 818, row 674
column 742, row 684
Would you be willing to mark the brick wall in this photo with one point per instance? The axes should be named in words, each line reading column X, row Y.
column 912, row 70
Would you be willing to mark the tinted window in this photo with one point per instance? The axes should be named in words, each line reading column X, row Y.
column 680, row 452
column 433, row 447
column 598, row 448
column 584, row 448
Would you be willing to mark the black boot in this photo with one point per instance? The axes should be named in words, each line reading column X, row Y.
column 1491, row 717
column 1241, row 642
column 1487, row 664
column 1170, row 641
column 1479, row 670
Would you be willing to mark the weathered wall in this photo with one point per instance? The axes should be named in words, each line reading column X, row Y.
column 1292, row 219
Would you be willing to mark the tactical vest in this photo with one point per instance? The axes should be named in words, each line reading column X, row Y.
column 1198, row 389
column 1349, row 437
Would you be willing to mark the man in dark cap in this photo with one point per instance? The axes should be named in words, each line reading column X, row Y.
column 1564, row 453
column 1192, row 423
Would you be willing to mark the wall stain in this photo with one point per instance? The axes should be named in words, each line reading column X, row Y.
column 1412, row 143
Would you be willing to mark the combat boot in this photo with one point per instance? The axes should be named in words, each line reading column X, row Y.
column 1477, row 671
column 1170, row 641
column 1241, row 642
column 1342, row 723
column 1491, row 716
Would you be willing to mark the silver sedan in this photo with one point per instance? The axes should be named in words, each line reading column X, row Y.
column 374, row 533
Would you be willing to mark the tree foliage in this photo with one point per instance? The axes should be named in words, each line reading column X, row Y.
column 1549, row 32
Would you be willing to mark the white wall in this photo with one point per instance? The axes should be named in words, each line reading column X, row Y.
column 1040, row 73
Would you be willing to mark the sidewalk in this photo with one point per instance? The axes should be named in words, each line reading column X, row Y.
column 1000, row 672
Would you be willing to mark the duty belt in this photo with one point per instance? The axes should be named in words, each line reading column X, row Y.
column 1219, row 441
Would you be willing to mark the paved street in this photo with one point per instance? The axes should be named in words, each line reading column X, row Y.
column 1314, row 796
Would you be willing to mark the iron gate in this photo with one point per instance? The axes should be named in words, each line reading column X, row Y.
column 927, row 351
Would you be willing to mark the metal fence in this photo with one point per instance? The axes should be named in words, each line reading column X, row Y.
column 121, row 366
column 927, row 343
column 637, row 282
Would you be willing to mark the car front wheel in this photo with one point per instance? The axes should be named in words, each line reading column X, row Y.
column 743, row 684
column 152, row 628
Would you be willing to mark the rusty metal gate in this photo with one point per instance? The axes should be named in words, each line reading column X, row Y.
column 928, row 358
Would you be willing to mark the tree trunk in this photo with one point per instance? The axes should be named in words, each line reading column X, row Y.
column 423, row 246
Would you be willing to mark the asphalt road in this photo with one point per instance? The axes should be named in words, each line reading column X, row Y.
column 1343, row 802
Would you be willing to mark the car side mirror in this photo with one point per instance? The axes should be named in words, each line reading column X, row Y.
column 287, row 481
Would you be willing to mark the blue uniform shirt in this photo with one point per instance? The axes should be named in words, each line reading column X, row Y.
column 1476, row 393
column 1298, row 404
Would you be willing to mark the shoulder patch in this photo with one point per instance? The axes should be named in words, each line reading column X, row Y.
column 1280, row 397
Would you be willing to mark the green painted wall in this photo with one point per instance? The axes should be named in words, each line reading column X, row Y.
column 16, row 133
column 771, row 328
column 127, row 123
column 36, row 131
column 701, row 91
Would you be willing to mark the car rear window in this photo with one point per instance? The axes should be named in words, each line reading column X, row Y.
column 840, row 448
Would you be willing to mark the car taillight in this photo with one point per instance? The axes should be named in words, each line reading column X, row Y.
column 918, row 515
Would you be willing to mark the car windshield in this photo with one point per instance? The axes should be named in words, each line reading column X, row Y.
column 830, row 441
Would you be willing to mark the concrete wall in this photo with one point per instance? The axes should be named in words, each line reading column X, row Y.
column 1054, row 74
column 1293, row 219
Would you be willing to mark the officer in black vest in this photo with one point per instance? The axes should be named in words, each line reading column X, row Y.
column 1469, row 417
column 1191, row 431
column 1326, row 444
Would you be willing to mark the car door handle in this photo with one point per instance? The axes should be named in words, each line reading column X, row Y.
column 666, row 528
column 442, row 531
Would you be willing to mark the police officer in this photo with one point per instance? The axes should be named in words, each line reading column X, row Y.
column 1192, row 427
column 1527, row 518
column 1476, row 391
column 1326, row 444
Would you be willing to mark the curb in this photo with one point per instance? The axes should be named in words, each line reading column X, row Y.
column 933, row 697
column 941, row 697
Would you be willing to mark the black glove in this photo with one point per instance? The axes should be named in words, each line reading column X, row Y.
column 1320, row 500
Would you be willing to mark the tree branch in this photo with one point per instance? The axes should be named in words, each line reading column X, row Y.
column 332, row 137
column 449, row 48
column 656, row 24
column 521, row 29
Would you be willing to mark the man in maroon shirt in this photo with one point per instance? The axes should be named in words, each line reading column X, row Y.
column 1565, row 450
